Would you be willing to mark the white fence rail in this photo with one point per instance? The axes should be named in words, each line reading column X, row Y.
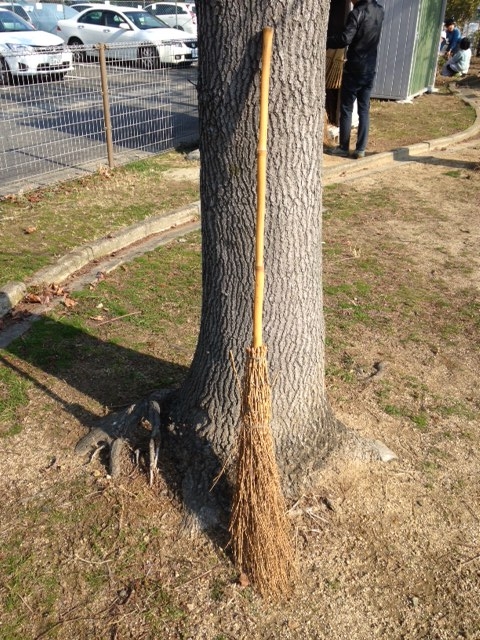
column 102, row 113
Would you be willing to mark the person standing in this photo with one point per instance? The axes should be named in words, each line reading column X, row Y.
column 361, row 35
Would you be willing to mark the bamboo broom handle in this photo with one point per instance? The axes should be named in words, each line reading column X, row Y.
column 261, row 187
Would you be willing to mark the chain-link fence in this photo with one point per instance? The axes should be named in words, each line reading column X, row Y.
column 113, row 106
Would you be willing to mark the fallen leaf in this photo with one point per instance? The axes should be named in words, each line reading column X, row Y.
column 29, row 230
column 68, row 302
column 104, row 172
column 32, row 298
column 97, row 318
column 57, row 290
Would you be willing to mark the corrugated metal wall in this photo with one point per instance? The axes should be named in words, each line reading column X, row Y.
column 426, row 51
column 408, row 47
column 396, row 49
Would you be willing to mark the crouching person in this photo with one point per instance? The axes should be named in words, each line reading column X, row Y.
column 459, row 63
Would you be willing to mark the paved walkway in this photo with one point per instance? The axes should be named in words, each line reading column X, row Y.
column 161, row 229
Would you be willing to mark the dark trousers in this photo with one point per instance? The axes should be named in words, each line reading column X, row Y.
column 355, row 87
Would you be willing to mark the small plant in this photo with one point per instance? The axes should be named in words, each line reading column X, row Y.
column 455, row 173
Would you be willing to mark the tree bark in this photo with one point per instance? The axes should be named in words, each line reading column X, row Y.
column 208, row 403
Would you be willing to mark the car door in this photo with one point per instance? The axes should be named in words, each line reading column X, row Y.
column 103, row 26
column 90, row 28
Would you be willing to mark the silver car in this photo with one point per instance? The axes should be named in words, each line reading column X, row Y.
column 26, row 52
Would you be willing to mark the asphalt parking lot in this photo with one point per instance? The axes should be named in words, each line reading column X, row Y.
column 47, row 128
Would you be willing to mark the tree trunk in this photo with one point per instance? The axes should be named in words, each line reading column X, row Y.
column 208, row 402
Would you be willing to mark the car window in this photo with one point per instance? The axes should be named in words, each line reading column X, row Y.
column 112, row 19
column 19, row 10
column 11, row 22
column 171, row 8
column 144, row 20
column 92, row 17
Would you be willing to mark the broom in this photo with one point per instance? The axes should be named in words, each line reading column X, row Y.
column 260, row 533
column 334, row 68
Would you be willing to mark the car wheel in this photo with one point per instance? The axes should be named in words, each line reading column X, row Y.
column 5, row 75
column 148, row 58
column 79, row 55
column 58, row 77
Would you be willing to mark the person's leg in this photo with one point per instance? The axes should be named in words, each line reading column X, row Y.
column 447, row 71
column 347, row 99
column 363, row 105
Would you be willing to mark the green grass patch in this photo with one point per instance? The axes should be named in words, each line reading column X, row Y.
column 61, row 218
column 13, row 396
column 455, row 173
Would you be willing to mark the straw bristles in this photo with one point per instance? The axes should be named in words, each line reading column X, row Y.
column 260, row 532
column 334, row 68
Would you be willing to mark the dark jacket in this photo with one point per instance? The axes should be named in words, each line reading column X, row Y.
column 361, row 35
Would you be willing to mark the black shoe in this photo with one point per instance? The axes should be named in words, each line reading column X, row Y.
column 358, row 154
column 338, row 151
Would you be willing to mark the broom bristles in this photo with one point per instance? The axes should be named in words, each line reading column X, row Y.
column 334, row 68
column 260, row 532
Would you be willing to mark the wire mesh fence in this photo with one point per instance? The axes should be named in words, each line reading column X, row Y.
column 113, row 105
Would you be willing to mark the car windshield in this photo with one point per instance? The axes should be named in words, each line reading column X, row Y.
column 144, row 20
column 11, row 22
column 16, row 8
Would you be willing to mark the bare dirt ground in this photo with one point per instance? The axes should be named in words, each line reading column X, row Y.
column 385, row 550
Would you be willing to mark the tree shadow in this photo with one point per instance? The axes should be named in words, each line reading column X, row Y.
column 116, row 377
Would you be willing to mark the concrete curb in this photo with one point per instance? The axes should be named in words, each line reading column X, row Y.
column 13, row 292
column 351, row 168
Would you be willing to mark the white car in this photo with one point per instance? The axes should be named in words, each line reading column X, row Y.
column 178, row 15
column 154, row 42
column 81, row 6
column 26, row 53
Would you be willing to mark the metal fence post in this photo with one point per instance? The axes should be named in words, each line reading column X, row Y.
column 106, row 104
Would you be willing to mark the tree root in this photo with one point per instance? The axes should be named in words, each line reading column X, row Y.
column 138, row 427
column 145, row 426
column 363, row 449
column 141, row 429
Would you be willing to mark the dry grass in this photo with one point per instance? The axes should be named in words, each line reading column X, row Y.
column 385, row 551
